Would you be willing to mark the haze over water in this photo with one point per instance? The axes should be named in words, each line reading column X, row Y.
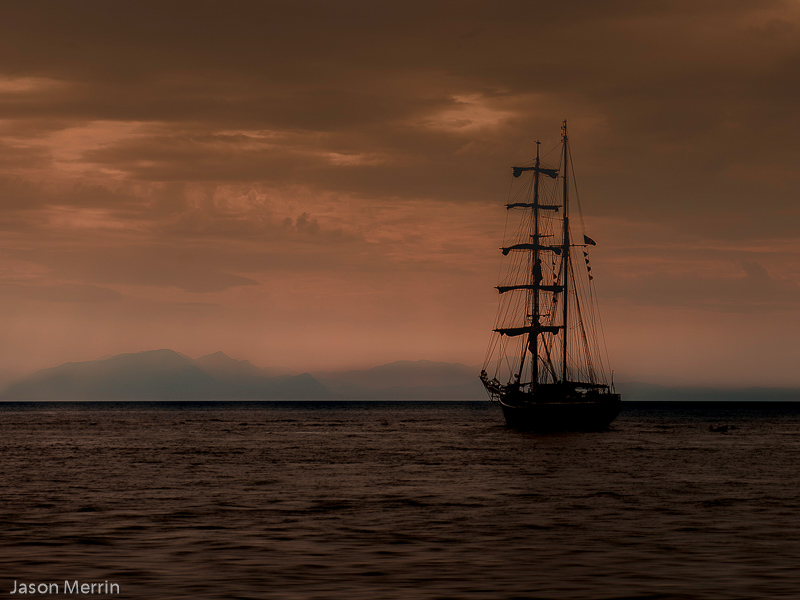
column 398, row 500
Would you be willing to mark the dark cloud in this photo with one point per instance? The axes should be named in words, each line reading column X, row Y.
column 678, row 91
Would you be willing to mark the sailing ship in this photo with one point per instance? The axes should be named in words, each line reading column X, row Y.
column 547, row 369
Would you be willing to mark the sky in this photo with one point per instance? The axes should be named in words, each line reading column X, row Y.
column 320, row 185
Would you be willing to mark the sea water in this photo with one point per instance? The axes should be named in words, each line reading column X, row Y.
column 405, row 500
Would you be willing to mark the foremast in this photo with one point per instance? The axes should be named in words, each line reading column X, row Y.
column 536, row 274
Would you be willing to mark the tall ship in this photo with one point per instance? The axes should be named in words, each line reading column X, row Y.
column 546, row 364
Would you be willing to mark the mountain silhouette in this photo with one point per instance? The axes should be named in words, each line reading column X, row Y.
column 169, row 375
column 220, row 363
column 162, row 375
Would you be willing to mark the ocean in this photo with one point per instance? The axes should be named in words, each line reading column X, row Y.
column 397, row 500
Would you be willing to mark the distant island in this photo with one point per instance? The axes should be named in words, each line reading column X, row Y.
column 169, row 375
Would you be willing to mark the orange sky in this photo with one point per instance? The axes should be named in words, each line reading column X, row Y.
column 320, row 185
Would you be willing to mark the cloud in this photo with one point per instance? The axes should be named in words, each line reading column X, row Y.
column 729, row 279
column 260, row 157
column 61, row 293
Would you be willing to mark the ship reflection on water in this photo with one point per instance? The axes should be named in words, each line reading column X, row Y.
column 398, row 500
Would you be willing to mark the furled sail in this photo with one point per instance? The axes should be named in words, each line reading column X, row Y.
column 556, row 249
column 515, row 331
column 530, row 286
column 551, row 173
column 553, row 207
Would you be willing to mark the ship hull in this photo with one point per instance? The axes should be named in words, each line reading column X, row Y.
column 589, row 412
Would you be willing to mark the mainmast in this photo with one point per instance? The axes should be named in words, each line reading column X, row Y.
column 565, row 255
column 536, row 277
